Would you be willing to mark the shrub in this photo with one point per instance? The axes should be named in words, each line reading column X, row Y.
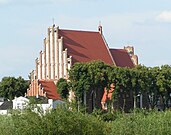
column 60, row 121
column 63, row 122
column 143, row 123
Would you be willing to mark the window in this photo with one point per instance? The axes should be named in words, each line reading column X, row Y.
column 18, row 106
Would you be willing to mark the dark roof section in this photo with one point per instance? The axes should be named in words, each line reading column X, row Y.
column 85, row 46
column 6, row 105
column 50, row 88
column 121, row 58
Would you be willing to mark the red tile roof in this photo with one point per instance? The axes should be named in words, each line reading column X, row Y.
column 50, row 88
column 121, row 58
column 86, row 46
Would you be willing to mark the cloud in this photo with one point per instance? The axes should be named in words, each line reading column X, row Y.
column 2, row 2
column 164, row 16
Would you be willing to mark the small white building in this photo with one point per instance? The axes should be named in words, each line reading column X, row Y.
column 45, row 105
column 5, row 106
column 20, row 102
column 49, row 105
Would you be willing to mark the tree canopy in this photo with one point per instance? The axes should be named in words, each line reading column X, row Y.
column 90, row 75
column 154, row 81
column 11, row 87
column 63, row 88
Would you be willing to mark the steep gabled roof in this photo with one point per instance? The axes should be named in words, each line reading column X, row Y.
column 85, row 46
column 50, row 88
column 121, row 58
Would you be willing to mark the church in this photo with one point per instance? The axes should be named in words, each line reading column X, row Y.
column 63, row 48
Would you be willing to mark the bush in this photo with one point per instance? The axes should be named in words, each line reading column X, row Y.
column 59, row 121
column 63, row 122
column 6, row 126
column 143, row 123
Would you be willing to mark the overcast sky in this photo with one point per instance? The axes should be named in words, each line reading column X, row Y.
column 144, row 24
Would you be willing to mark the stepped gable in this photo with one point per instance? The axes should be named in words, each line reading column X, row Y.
column 85, row 46
column 50, row 88
column 122, row 58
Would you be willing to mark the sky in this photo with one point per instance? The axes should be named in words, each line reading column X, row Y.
column 144, row 24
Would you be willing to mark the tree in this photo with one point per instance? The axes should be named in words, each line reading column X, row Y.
column 147, row 83
column 164, row 84
column 11, row 87
column 141, row 82
column 63, row 88
column 121, row 77
column 88, row 79
column 153, row 90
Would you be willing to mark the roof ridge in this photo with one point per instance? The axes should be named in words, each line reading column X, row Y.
column 79, row 30
column 108, row 49
column 118, row 49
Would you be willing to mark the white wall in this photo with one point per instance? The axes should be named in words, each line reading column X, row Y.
column 60, row 57
column 47, row 60
column 20, row 103
column 51, row 53
column 43, row 68
column 3, row 112
column 56, row 55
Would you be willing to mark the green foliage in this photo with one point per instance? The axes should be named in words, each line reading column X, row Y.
column 27, row 123
column 63, row 88
column 57, row 122
column 7, row 125
column 94, row 76
column 155, row 82
column 143, row 123
column 164, row 78
column 11, row 87
column 90, row 76
column 108, row 116
column 66, row 122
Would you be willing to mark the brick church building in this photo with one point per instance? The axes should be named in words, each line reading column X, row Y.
column 63, row 48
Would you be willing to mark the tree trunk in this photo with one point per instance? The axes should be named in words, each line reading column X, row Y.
column 124, row 103
column 141, row 101
column 135, row 106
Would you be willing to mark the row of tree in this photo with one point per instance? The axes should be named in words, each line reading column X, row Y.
column 154, row 81
column 95, row 76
